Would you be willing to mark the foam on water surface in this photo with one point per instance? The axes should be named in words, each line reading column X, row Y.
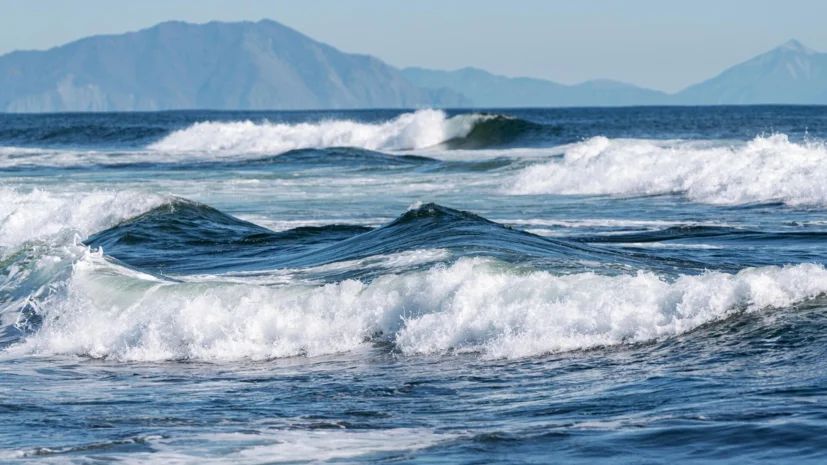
column 424, row 128
column 273, row 446
column 30, row 214
column 475, row 305
column 765, row 169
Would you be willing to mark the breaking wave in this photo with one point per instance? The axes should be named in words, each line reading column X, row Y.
column 383, row 286
column 763, row 170
column 474, row 305
column 424, row 128
column 418, row 130
column 32, row 214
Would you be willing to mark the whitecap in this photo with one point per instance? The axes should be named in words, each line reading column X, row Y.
column 765, row 169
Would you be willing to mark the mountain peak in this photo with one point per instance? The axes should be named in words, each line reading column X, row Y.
column 791, row 73
column 793, row 45
column 261, row 65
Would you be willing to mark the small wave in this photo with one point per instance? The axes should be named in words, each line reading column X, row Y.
column 688, row 231
column 615, row 225
column 13, row 159
column 474, row 305
column 502, row 131
column 421, row 129
column 342, row 157
column 81, row 131
column 183, row 237
column 666, row 245
column 764, row 170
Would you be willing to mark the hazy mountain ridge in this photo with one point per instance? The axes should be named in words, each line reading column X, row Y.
column 177, row 65
column 490, row 90
column 789, row 74
column 265, row 65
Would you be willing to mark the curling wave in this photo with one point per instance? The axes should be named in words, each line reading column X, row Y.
column 421, row 129
column 67, row 298
column 418, row 130
column 474, row 305
column 763, row 170
column 503, row 131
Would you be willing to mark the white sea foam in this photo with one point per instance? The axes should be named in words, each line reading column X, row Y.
column 393, row 261
column 284, row 225
column 765, row 169
column 10, row 150
column 609, row 223
column 476, row 305
column 424, row 128
column 28, row 214
column 268, row 446
column 664, row 245
column 274, row 446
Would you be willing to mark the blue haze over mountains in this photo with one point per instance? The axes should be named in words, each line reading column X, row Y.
column 266, row 65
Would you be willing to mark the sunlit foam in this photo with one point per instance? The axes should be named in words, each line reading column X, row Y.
column 766, row 169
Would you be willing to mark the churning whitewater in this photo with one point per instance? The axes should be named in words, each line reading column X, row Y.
column 473, row 305
column 423, row 286
column 764, row 169
column 422, row 129
column 106, row 310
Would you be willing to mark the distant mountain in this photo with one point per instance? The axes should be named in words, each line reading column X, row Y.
column 177, row 65
column 265, row 65
column 490, row 90
column 791, row 73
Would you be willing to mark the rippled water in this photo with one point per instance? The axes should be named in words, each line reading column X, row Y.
column 623, row 285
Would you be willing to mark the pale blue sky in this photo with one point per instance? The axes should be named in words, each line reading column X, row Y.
column 661, row 44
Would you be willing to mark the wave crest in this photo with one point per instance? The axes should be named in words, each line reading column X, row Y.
column 765, row 169
column 421, row 129
column 474, row 305
column 27, row 215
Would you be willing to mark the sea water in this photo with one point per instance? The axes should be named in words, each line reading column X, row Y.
column 631, row 285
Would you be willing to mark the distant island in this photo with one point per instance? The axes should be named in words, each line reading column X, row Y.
column 267, row 66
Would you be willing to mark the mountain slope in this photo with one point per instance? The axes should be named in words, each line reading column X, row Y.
column 177, row 65
column 791, row 73
column 266, row 65
column 490, row 90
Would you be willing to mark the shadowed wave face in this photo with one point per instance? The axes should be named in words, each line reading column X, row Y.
column 191, row 238
column 503, row 131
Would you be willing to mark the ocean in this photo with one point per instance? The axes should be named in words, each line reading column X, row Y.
column 626, row 285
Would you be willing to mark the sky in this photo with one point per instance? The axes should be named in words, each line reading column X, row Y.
column 664, row 45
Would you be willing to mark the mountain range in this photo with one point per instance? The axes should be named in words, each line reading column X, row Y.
column 789, row 74
column 266, row 65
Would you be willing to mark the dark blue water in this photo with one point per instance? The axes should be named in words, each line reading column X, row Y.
column 631, row 285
